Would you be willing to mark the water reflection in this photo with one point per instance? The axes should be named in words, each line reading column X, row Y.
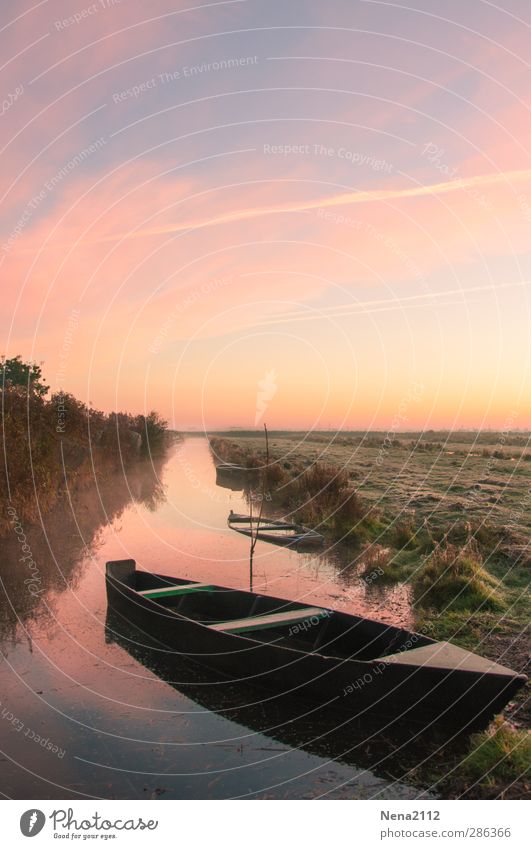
column 125, row 731
column 374, row 747
column 232, row 478
column 43, row 561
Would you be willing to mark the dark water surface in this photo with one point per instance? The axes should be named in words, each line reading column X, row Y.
column 87, row 713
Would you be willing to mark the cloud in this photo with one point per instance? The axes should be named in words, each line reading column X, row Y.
column 485, row 181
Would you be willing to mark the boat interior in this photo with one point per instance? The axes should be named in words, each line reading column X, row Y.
column 276, row 531
column 290, row 624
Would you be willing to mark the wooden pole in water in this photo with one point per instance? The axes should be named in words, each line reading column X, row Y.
column 255, row 538
column 252, row 544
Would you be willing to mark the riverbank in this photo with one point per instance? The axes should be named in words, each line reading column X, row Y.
column 54, row 447
column 447, row 515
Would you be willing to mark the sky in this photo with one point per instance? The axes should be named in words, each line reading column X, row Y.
column 309, row 214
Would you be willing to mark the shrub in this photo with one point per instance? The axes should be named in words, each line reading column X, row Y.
column 403, row 534
column 274, row 476
column 31, row 464
column 454, row 578
column 118, row 439
column 75, row 415
column 152, row 430
column 45, row 440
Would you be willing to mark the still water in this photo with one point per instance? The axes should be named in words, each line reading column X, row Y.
column 85, row 715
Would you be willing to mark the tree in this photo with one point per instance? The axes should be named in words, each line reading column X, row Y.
column 15, row 372
column 152, row 428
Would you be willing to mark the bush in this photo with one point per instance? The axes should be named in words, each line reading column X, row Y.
column 454, row 578
column 403, row 534
column 47, row 439
column 118, row 439
column 274, row 476
column 31, row 463
column 152, row 430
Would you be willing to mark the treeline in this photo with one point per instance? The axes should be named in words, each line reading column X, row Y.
column 50, row 444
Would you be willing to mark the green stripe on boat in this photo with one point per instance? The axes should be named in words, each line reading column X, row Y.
column 162, row 592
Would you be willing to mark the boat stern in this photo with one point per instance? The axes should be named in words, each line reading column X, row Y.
column 121, row 571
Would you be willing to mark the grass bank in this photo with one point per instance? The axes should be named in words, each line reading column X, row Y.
column 320, row 495
column 496, row 766
column 450, row 516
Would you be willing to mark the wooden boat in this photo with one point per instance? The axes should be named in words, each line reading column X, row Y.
column 276, row 531
column 232, row 469
column 386, row 748
column 327, row 658
column 231, row 476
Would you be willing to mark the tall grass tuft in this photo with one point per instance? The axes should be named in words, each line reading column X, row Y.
column 498, row 755
column 454, row 578
column 322, row 496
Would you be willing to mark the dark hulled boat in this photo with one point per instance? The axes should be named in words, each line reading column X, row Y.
column 380, row 747
column 231, row 476
column 327, row 658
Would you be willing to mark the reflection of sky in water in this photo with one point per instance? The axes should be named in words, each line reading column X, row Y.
column 125, row 731
column 192, row 540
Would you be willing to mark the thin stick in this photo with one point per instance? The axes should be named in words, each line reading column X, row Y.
column 254, row 539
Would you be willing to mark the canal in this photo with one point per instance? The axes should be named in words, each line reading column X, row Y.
column 83, row 714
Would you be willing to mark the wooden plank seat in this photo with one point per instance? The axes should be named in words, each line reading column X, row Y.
column 270, row 620
column 164, row 592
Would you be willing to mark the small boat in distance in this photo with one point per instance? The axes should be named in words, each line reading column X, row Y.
column 277, row 531
column 231, row 477
column 231, row 467
column 326, row 658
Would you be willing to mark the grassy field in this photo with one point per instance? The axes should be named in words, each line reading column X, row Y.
column 448, row 514
column 436, row 476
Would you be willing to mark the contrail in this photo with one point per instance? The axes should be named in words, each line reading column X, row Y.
column 342, row 199
column 387, row 303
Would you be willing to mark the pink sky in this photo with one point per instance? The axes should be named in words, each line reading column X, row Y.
column 312, row 214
